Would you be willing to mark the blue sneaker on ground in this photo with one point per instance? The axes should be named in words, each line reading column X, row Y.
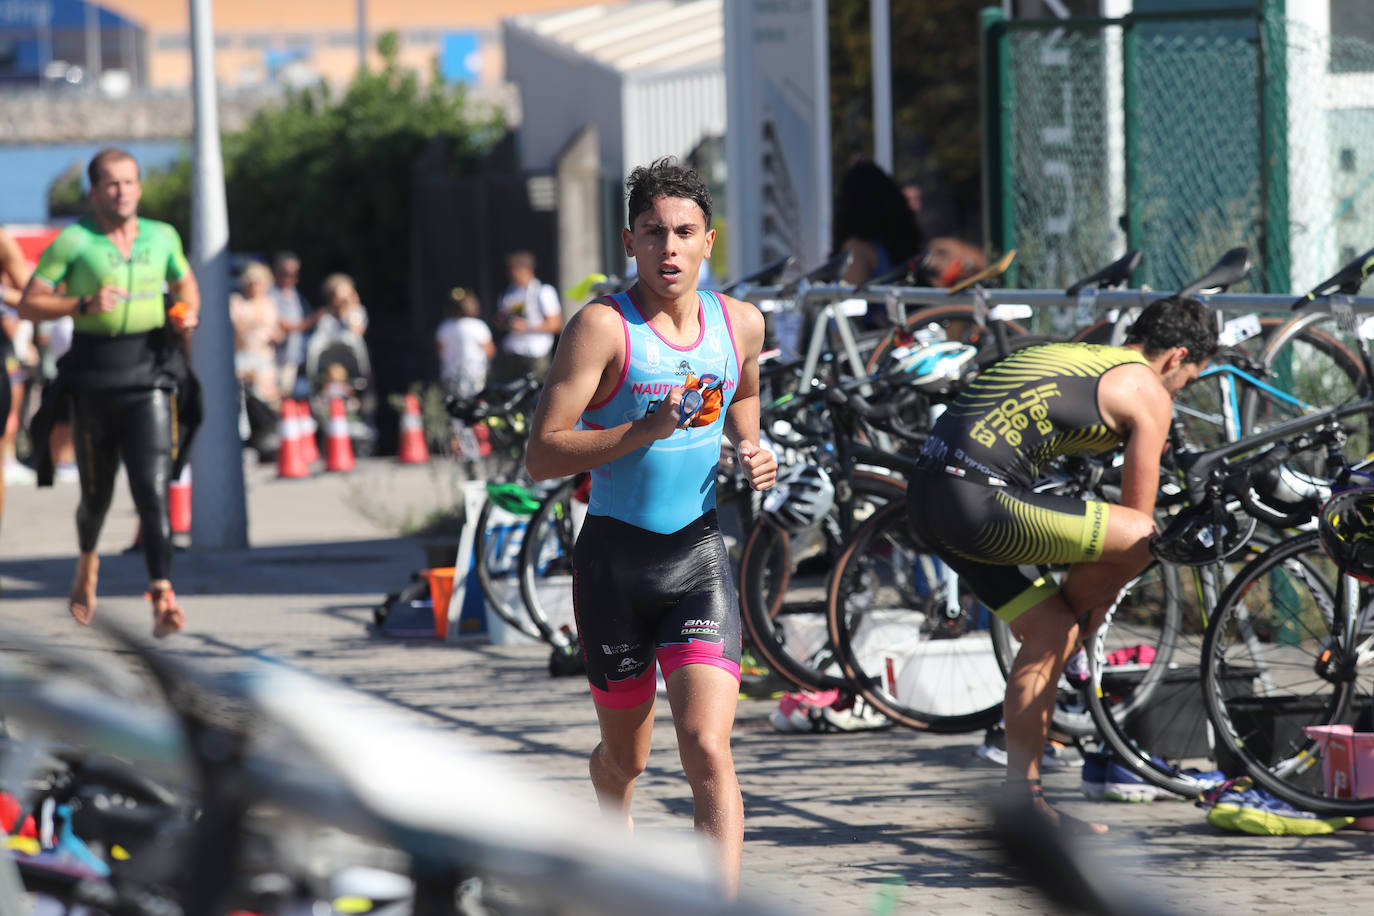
column 1094, row 783
column 1122, row 784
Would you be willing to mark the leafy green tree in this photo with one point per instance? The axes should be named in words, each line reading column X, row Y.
column 328, row 176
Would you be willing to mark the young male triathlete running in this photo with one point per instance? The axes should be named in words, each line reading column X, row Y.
column 972, row 498
column 109, row 272
column 651, row 578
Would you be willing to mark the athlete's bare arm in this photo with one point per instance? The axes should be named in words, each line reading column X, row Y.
column 14, row 270
column 586, row 369
column 1136, row 404
column 742, row 419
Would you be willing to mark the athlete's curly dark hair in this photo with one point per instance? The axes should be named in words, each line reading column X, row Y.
column 665, row 178
column 1176, row 321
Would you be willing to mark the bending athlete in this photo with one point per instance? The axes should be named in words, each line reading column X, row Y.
column 109, row 272
column 972, row 499
column 651, row 579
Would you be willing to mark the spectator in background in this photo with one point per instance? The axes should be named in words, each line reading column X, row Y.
column 14, row 276
column 337, row 343
column 530, row 315
column 875, row 224
column 948, row 260
column 257, row 331
column 464, row 344
column 912, row 192
column 295, row 316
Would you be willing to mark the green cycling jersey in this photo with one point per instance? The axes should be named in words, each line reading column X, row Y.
column 84, row 259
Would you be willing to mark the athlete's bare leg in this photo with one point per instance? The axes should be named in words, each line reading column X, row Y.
column 1049, row 632
column 621, row 756
column 168, row 617
column 703, row 698
column 81, row 600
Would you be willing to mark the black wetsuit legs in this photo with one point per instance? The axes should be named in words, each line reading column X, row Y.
column 134, row 425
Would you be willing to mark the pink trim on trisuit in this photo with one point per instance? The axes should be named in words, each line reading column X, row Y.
column 701, row 320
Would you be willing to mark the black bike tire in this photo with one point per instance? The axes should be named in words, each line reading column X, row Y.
column 892, row 517
column 1084, row 724
column 515, row 617
column 758, row 614
column 1238, row 740
column 1342, row 357
column 1111, row 724
column 531, row 549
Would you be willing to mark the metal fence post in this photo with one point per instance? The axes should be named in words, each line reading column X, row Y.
column 1273, row 77
column 1130, row 123
column 998, row 205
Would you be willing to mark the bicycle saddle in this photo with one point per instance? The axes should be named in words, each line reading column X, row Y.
column 1347, row 280
column 1228, row 271
column 904, row 272
column 1114, row 274
column 764, row 276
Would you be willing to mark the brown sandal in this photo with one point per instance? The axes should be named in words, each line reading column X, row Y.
column 168, row 617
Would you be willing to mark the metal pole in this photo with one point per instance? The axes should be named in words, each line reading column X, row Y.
column 362, row 35
column 93, row 62
column 219, row 517
column 880, row 30
column 1273, row 166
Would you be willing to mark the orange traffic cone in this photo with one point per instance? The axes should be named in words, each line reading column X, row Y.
column 338, row 448
column 310, row 448
column 179, row 502
column 413, row 449
column 290, row 461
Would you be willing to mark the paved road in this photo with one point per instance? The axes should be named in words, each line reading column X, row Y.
column 836, row 823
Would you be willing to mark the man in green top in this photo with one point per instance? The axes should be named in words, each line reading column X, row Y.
column 110, row 271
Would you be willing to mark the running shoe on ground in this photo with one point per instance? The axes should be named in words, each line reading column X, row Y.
column 994, row 750
column 1122, row 784
column 858, row 716
column 801, row 712
column 1094, row 784
column 1245, row 809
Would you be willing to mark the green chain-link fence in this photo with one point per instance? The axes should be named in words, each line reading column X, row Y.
column 1182, row 135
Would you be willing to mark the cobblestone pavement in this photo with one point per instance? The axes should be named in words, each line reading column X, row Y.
column 890, row 821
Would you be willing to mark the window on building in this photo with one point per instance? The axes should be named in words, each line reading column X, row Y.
column 1347, row 254
column 1348, row 209
column 1347, row 159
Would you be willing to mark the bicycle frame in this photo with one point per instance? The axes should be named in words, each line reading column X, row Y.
column 1229, row 418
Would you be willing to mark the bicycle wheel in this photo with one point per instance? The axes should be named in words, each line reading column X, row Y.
column 1145, row 623
column 916, row 646
column 1147, row 705
column 496, row 546
column 782, row 578
column 545, row 562
column 1310, row 364
column 1282, row 656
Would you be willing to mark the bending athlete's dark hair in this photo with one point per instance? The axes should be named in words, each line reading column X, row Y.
column 108, row 154
column 665, row 178
column 1176, row 322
